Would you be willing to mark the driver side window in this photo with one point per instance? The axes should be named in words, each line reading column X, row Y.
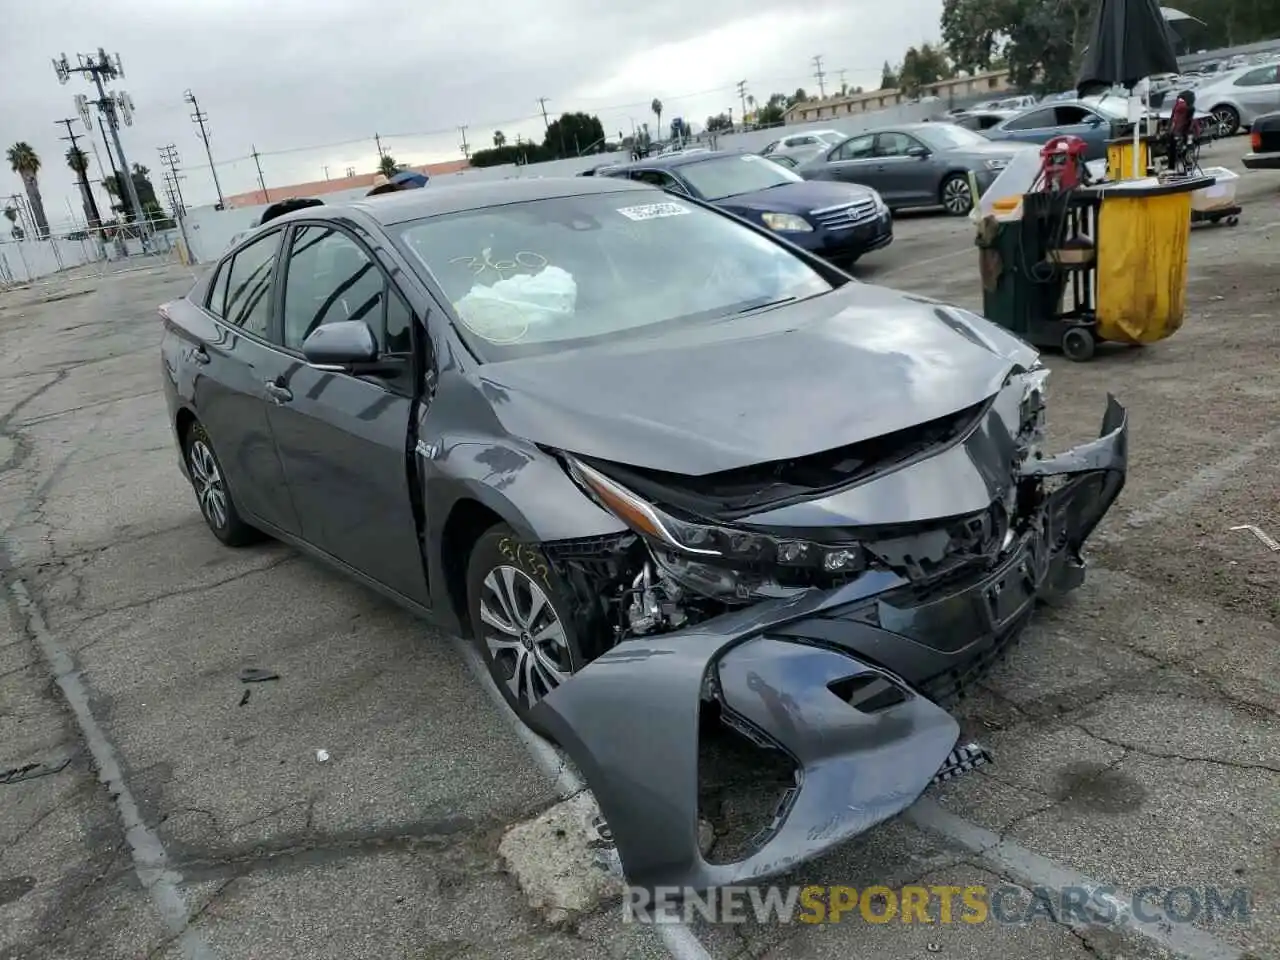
column 330, row 278
column 1035, row 120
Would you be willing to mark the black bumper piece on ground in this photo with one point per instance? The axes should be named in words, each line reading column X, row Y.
column 782, row 670
column 1262, row 161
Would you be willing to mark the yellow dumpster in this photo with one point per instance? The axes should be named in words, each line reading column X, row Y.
column 1120, row 158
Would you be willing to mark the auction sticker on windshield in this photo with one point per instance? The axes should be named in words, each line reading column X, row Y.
column 652, row 211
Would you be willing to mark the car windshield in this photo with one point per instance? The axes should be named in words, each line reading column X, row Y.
column 719, row 177
column 948, row 136
column 545, row 276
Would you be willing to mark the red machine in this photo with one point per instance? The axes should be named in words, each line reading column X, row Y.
column 1062, row 164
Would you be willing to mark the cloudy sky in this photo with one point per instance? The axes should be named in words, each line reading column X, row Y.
column 309, row 82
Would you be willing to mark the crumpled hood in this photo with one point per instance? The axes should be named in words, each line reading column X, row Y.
column 822, row 373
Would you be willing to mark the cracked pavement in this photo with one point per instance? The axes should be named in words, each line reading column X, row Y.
column 1134, row 729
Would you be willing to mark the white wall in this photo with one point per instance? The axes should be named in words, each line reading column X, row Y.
column 210, row 230
column 23, row 260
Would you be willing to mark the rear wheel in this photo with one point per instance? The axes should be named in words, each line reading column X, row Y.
column 521, row 620
column 210, row 484
column 1228, row 120
column 956, row 196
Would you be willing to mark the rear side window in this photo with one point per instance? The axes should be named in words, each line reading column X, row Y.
column 248, row 289
column 1034, row 120
column 217, row 301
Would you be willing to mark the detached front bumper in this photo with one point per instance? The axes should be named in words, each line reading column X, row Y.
column 1262, row 161
column 784, row 669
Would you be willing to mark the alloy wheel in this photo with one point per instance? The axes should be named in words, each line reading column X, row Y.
column 523, row 634
column 208, row 483
column 955, row 196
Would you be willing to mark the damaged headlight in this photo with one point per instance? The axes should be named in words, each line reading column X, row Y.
column 710, row 543
column 1033, row 410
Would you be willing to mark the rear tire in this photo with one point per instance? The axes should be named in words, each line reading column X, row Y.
column 522, row 621
column 955, row 195
column 212, row 493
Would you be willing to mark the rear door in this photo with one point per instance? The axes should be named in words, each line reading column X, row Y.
column 1035, row 126
column 853, row 162
column 229, row 396
column 343, row 439
column 1258, row 91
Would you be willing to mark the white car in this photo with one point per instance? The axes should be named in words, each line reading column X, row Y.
column 1237, row 97
column 805, row 144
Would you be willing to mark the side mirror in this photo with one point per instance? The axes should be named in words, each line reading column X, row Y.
column 341, row 345
column 1094, row 120
column 918, row 152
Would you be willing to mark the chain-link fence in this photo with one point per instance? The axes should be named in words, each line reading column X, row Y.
column 95, row 251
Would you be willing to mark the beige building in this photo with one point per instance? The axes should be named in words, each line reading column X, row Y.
column 993, row 83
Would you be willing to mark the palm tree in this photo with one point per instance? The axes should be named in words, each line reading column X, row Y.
column 499, row 139
column 25, row 163
column 656, row 107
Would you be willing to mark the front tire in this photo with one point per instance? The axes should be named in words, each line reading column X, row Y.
column 522, row 621
column 1228, row 120
column 210, row 484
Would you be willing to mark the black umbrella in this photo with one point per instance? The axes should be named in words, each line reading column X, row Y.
column 1129, row 41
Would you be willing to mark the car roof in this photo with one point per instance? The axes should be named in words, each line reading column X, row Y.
column 437, row 199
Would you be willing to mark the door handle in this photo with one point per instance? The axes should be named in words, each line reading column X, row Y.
column 199, row 355
column 278, row 391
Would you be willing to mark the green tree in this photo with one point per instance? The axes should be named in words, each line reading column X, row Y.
column 1039, row 40
column 923, row 67
column 888, row 77
column 798, row 97
column 771, row 114
column 718, row 123
column 519, row 152
column 11, row 214
column 78, row 161
column 574, row 134
column 499, row 139
column 26, row 164
column 656, row 107
column 120, row 198
column 388, row 167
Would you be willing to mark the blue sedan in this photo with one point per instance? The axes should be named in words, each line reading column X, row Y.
column 1091, row 122
column 837, row 221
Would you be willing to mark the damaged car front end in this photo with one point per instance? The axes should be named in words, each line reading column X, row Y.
column 827, row 609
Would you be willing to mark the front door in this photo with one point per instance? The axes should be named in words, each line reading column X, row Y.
column 343, row 438
column 907, row 179
column 228, row 373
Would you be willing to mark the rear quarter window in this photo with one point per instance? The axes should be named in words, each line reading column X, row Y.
column 216, row 299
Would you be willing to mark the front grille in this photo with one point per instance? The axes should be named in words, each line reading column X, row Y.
column 846, row 216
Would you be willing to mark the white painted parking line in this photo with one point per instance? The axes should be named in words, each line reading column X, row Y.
column 150, row 861
column 1012, row 860
column 679, row 940
column 916, row 264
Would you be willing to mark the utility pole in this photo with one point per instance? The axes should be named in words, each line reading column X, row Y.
column 266, row 197
column 381, row 153
column 542, row 102
column 169, row 157
column 115, row 106
column 82, row 178
column 742, row 95
column 326, row 172
column 466, row 148
column 842, row 72
column 199, row 117
column 821, row 76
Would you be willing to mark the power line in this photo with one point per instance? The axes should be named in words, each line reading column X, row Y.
column 821, row 76
column 199, row 117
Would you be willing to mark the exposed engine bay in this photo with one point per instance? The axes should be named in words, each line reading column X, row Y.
column 700, row 549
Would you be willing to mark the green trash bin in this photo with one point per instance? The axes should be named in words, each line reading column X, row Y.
column 1017, row 291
